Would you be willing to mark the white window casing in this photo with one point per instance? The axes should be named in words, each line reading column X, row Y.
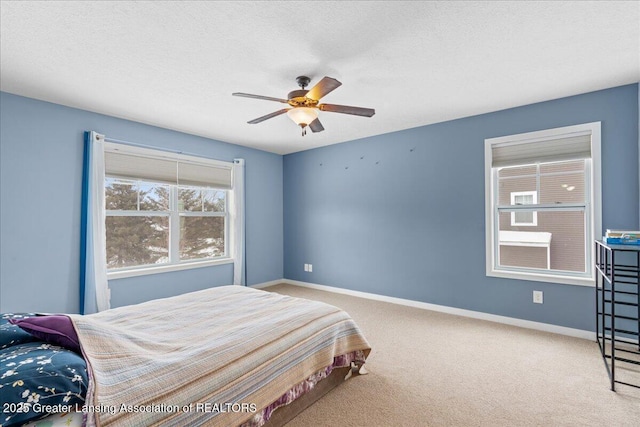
column 177, row 170
column 534, row 148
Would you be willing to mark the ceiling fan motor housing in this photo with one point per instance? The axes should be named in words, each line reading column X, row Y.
column 300, row 93
column 298, row 98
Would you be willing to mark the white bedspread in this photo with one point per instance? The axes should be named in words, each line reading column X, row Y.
column 210, row 357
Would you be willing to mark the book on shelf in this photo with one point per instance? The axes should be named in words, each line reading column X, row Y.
column 623, row 233
column 622, row 237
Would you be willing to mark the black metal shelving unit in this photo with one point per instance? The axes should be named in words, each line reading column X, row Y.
column 618, row 311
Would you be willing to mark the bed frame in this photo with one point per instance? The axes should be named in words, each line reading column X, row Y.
column 284, row 414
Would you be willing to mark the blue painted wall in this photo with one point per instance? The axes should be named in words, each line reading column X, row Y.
column 402, row 214
column 40, row 198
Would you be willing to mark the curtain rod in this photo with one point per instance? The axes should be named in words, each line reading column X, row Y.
column 169, row 150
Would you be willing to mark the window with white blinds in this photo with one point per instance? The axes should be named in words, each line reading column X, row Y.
column 164, row 209
column 543, row 204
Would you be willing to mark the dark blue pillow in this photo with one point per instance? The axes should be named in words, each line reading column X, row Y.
column 12, row 334
column 35, row 374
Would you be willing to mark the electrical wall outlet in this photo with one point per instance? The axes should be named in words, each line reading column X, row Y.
column 310, row 268
column 306, row 267
column 537, row 297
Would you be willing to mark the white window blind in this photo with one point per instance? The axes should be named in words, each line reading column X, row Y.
column 190, row 174
column 130, row 166
column 176, row 172
column 549, row 150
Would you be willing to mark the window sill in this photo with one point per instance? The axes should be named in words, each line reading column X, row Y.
column 143, row 271
column 536, row 277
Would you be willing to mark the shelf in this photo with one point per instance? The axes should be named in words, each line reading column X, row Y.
column 617, row 323
column 623, row 331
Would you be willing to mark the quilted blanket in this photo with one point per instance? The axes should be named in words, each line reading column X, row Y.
column 212, row 357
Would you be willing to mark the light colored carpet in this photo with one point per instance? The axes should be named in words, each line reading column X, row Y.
column 434, row 369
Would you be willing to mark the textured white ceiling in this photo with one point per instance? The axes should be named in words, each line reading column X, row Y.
column 175, row 64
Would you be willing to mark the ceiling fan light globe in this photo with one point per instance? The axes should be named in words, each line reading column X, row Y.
column 302, row 116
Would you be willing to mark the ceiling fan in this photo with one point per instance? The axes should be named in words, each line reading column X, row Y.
column 305, row 104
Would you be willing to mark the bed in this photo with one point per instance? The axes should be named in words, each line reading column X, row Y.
column 225, row 356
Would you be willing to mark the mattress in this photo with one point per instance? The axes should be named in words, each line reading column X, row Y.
column 223, row 356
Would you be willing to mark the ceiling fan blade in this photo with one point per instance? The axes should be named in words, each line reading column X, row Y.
column 268, row 116
column 266, row 98
column 345, row 109
column 316, row 126
column 324, row 86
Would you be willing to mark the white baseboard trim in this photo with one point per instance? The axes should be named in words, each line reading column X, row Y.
column 546, row 327
column 267, row 284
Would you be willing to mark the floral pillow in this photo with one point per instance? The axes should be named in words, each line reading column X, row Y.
column 36, row 375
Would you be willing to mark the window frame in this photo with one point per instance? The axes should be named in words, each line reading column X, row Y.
column 174, row 217
column 534, row 222
column 593, row 210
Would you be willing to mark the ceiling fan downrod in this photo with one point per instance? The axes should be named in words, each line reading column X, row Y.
column 303, row 81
